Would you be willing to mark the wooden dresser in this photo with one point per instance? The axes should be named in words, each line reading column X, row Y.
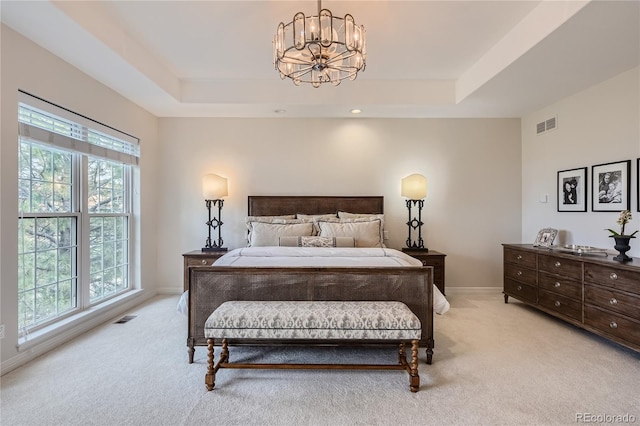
column 592, row 292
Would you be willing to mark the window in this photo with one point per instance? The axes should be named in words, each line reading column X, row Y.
column 75, row 183
column 47, row 237
column 108, row 230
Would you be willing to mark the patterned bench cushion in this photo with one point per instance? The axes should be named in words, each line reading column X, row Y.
column 313, row 320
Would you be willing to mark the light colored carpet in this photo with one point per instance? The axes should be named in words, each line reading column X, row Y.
column 493, row 364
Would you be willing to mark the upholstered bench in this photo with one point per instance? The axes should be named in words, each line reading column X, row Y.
column 355, row 322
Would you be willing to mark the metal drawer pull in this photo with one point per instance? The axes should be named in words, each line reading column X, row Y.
column 519, row 287
column 557, row 264
column 519, row 273
column 613, row 276
column 204, row 261
column 557, row 284
column 557, row 303
column 519, row 257
column 613, row 301
column 613, row 324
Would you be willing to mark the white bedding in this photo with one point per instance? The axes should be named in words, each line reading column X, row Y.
column 316, row 256
column 322, row 256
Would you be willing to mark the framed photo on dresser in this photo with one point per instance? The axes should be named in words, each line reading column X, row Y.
column 545, row 237
column 611, row 187
column 572, row 190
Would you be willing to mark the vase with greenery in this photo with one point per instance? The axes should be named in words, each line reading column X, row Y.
column 622, row 240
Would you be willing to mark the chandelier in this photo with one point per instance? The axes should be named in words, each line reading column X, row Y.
column 319, row 49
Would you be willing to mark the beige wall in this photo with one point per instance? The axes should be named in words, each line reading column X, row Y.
column 472, row 167
column 596, row 126
column 28, row 67
column 485, row 176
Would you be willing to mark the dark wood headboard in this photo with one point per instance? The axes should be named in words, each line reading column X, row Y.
column 281, row 205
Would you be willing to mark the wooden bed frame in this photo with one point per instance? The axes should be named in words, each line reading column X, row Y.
column 210, row 286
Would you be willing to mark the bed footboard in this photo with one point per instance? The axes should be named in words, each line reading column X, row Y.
column 209, row 287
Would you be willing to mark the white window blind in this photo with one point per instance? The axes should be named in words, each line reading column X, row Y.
column 42, row 121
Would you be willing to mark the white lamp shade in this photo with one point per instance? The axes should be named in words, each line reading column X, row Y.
column 214, row 187
column 414, row 187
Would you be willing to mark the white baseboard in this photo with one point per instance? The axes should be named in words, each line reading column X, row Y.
column 39, row 345
column 169, row 290
column 457, row 290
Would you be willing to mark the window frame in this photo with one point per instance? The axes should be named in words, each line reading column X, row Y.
column 80, row 214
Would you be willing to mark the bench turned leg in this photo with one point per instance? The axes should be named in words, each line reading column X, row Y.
column 402, row 355
column 414, row 380
column 224, row 354
column 210, row 377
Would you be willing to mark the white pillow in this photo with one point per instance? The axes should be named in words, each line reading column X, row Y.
column 268, row 234
column 314, row 218
column 365, row 232
column 268, row 219
column 347, row 215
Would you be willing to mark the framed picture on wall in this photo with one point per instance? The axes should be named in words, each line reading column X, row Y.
column 611, row 187
column 572, row 190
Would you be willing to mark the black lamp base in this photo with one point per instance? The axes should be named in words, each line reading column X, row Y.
column 214, row 249
column 421, row 249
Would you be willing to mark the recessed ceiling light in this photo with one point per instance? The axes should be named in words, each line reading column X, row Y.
column 356, row 111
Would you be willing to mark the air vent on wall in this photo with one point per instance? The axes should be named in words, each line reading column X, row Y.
column 545, row 126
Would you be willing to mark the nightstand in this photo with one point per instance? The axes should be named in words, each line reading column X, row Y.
column 198, row 258
column 430, row 258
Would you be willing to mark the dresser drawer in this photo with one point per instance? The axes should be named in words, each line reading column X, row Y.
column 560, row 304
column 613, row 324
column 560, row 285
column 201, row 260
column 560, row 266
column 520, row 257
column 613, row 277
column 435, row 261
column 612, row 300
column 518, row 273
column 521, row 291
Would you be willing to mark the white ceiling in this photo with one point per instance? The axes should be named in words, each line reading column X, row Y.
column 424, row 58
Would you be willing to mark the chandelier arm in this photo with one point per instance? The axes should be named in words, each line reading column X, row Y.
column 340, row 57
column 294, row 61
column 301, row 72
column 344, row 70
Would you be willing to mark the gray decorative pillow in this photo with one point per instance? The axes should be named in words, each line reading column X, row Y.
column 316, row 241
